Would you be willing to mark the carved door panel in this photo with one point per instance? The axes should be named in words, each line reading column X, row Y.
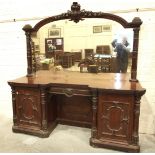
column 28, row 107
column 115, row 117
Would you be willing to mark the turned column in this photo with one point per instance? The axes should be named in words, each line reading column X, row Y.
column 135, row 55
column 14, row 106
column 28, row 32
column 135, row 136
column 44, row 108
column 136, row 30
column 94, row 109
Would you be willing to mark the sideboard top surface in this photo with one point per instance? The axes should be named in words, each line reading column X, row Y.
column 99, row 80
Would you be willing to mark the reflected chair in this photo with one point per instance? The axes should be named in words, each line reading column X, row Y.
column 88, row 52
column 103, row 62
column 103, row 49
column 77, row 54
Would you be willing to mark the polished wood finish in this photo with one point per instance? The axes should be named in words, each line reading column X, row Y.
column 28, row 32
column 107, row 103
column 117, row 121
column 135, row 54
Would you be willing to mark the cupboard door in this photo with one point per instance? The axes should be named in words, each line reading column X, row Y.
column 28, row 107
column 115, row 117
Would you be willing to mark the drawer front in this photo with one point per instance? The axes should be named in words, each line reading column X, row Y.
column 69, row 92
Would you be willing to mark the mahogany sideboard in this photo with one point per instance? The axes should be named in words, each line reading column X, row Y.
column 108, row 103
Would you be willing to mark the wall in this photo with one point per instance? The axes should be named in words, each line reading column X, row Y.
column 146, row 58
column 80, row 35
column 13, row 62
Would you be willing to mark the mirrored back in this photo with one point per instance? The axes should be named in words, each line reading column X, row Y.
column 71, row 45
column 83, row 41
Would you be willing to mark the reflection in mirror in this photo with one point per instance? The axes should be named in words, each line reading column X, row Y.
column 92, row 45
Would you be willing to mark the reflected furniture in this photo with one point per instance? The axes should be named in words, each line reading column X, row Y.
column 103, row 58
column 103, row 49
column 47, row 64
column 107, row 103
column 88, row 52
column 77, row 55
column 103, row 62
column 53, row 46
column 66, row 59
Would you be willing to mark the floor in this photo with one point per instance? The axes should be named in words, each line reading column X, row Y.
column 67, row 138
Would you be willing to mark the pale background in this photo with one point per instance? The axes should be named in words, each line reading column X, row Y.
column 14, row 14
column 80, row 36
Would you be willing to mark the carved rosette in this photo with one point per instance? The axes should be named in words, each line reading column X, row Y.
column 75, row 12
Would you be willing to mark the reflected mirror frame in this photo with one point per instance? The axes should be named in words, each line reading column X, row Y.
column 76, row 15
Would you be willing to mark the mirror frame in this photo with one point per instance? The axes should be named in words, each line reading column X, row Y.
column 76, row 15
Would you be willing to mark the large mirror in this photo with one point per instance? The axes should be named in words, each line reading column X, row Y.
column 83, row 41
column 88, row 46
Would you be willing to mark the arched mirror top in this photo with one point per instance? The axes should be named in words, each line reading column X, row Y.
column 76, row 15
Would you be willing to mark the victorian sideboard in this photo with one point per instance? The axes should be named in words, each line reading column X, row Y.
column 108, row 103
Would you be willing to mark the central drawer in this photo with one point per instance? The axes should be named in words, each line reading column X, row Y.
column 70, row 91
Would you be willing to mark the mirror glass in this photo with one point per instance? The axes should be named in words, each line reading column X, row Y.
column 92, row 45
